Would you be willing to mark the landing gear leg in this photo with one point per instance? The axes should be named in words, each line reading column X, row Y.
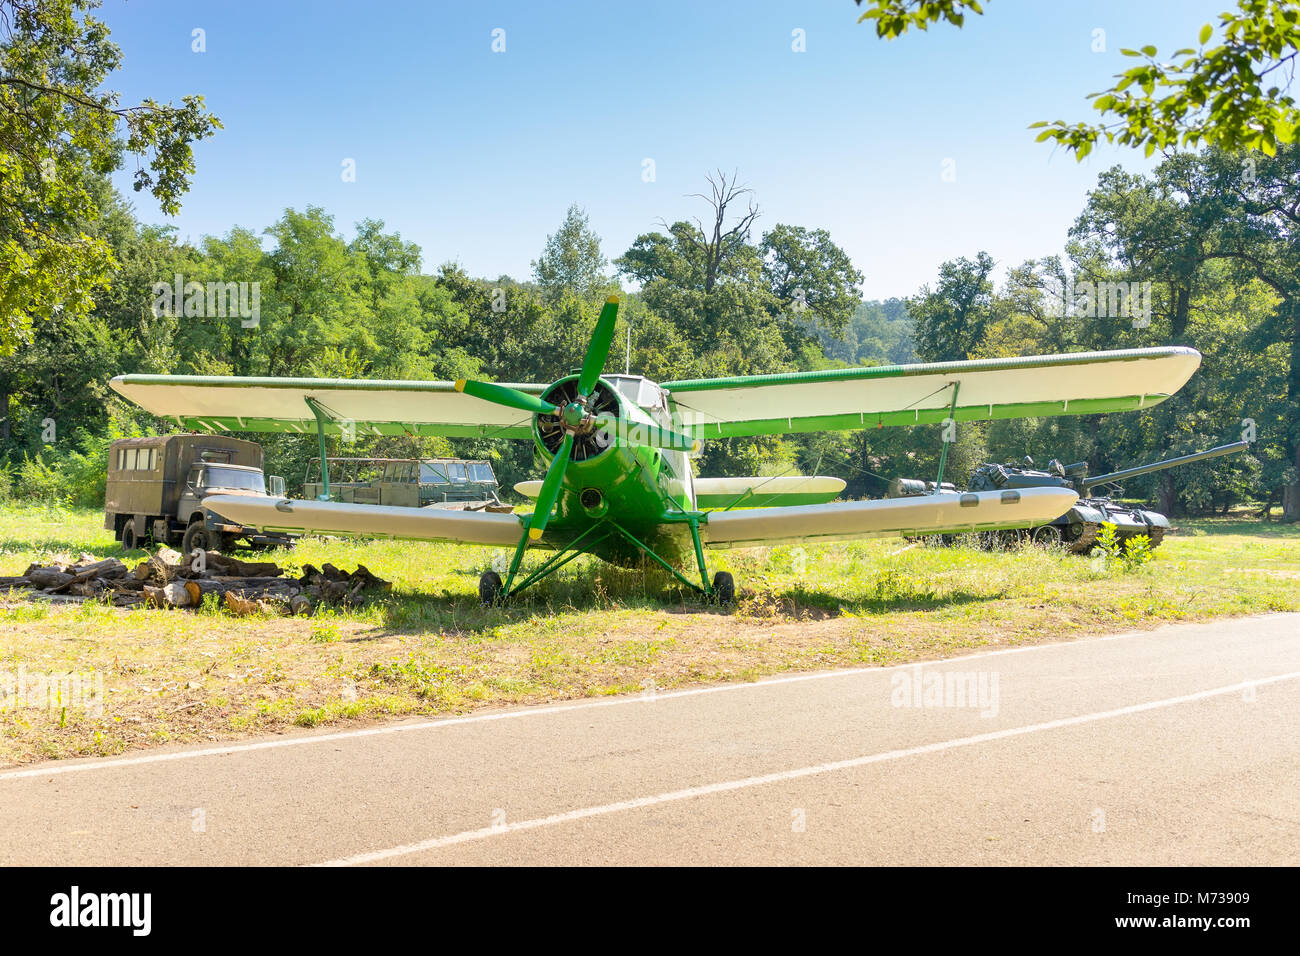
column 723, row 590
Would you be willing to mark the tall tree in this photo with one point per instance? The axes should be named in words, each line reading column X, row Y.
column 951, row 318
column 59, row 133
column 572, row 261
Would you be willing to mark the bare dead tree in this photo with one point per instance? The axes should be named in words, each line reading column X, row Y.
column 719, row 240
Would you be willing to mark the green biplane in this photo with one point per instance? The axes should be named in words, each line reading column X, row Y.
column 619, row 482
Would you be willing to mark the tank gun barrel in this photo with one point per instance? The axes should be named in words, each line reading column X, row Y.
column 1089, row 483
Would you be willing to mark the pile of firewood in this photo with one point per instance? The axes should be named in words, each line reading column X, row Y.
column 168, row 579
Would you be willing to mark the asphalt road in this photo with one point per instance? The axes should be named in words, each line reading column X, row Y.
column 1173, row 746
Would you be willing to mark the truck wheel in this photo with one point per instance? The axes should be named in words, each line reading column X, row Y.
column 130, row 541
column 200, row 538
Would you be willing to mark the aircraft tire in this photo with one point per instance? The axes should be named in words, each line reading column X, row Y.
column 724, row 589
column 490, row 589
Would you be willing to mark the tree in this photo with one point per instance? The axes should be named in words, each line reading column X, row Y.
column 572, row 260
column 807, row 272
column 951, row 318
column 1197, row 216
column 58, row 136
column 1232, row 95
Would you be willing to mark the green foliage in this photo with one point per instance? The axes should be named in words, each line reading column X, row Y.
column 1127, row 554
column 952, row 319
column 59, row 135
column 572, row 261
column 893, row 18
column 1233, row 95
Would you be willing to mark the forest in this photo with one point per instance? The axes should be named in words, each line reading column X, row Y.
column 1210, row 235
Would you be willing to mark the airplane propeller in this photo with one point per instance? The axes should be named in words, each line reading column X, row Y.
column 578, row 416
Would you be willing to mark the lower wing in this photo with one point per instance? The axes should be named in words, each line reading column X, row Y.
column 430, row 524
column 949, row 512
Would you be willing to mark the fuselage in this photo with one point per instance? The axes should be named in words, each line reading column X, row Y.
column 646, row 491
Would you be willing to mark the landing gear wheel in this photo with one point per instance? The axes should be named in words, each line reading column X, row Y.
column 724, row 589
column 130, row 540
column 491, row 592
column 1048, row 536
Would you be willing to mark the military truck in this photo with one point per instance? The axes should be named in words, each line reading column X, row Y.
column 452, row 483
column 156, row 487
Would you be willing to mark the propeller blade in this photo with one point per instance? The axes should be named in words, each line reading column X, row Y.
column 654, row 436
column 550, row 488
column 502, row 395
column 598, row 349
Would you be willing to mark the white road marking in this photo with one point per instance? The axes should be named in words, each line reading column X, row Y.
column 784, row 775
column 542, row 710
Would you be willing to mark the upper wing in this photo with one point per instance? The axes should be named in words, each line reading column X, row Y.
column 924, row 514
column 231, row 403
column 1074, row 384
column 431, row 524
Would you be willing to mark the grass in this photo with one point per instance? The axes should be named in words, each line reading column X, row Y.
column 429, row 647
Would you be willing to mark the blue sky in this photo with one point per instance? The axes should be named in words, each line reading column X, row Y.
column 475, row 155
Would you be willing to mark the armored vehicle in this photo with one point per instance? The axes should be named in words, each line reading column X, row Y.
column 1078, row 528
column 156, row 486
column 450, row 483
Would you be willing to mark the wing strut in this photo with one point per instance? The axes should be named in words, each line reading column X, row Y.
column 943, row 455
column 321, row 419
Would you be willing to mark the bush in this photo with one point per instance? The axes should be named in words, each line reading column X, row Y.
column 74, row 477
column 1131, row 554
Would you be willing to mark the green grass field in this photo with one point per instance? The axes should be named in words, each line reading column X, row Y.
column 429, row 648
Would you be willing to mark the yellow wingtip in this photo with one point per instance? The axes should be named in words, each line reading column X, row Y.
column 460, row 385
column 534, row 533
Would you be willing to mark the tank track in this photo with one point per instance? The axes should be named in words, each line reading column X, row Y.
column 1156, row 535
column 1086, row 540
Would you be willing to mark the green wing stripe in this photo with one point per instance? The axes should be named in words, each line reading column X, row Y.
column 964, row 413
column 344, row 384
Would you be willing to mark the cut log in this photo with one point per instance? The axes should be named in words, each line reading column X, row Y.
column 50, row 578
column 363, row 572
column 240, row 604
column 108, row 568
column 169, row 595
column 163, row 566
column 18, row 582
column 199, row 587
column 223, row 565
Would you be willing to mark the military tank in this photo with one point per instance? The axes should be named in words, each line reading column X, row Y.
column 1078, row 528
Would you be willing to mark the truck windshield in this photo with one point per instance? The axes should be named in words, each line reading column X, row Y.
column 218, row 477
